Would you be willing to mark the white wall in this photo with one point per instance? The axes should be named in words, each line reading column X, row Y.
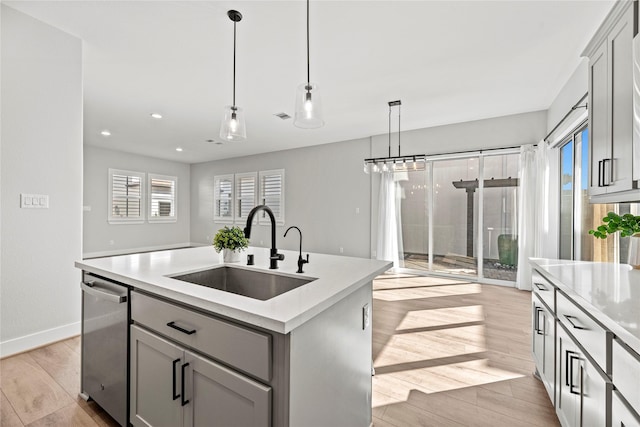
column 324, row 186
column 101, row 238
column 573, row 90
column 41, row 116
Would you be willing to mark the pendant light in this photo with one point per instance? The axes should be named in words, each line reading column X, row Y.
column 308, row 103
column 233, row 126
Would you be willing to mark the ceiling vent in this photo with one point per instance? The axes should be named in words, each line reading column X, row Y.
column 283, row 116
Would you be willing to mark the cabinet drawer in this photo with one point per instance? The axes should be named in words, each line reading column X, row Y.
column 621, row 415
column 626, row 373
column 543, row 289
column 585, row 330
column 237, row 346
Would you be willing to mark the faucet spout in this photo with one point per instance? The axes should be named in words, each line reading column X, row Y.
column 301, row 261
column 274, row 255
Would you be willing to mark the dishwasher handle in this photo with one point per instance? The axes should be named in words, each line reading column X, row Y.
column 105, row 294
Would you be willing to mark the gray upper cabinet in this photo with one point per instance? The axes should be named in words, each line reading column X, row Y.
column 611, row 108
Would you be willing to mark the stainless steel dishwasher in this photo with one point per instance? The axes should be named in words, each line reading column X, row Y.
column 105, row 345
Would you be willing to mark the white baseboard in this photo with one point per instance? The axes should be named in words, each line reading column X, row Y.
column 39, row 339
column 88, row 255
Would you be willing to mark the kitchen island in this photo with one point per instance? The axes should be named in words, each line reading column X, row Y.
column 300, row 358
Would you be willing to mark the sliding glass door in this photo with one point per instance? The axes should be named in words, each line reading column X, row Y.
column 459, row 216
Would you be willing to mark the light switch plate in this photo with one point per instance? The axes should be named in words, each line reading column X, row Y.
column 34, row 201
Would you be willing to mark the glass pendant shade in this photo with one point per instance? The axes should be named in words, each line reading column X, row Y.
column 308, row 113
column 233, row 127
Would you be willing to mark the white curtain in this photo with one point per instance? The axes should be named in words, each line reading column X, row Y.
column 533, row 208
column 390, row 221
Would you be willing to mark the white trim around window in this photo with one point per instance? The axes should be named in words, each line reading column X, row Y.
column 272, row 195
column 126, row 197
column 163, row 197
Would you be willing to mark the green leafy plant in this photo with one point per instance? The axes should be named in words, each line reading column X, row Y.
column 230, row 238
column 627, row 225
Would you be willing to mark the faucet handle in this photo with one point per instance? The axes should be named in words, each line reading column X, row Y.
column 307, row 260
column 277, row 256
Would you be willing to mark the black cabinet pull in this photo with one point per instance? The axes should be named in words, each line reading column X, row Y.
column 536, row 321
column 178, row 328
column 606, row 182
column 581, row 394
column 173, row 390
column 540, row 286
column 600, row 173
column 568, row 372
column 571, row 358
column 571, row 322
column 182, row 401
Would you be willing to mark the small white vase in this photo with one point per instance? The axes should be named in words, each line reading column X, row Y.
column 634, row 251
column 231, row 256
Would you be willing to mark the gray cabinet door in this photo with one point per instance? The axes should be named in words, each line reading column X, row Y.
column 621, row 69
column 600, row 142
column 566, row 381
column 155, row 380
column 220, row 397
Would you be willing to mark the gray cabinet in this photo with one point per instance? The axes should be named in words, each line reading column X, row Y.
column 171, row 386
column 543, row 340
column 582, row 390
column 611, row 107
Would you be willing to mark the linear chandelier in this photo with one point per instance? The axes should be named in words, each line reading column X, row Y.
column 397, row 163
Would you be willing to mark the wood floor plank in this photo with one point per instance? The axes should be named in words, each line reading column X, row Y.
column 73, row 343
column 32, row 392
column 8, row 417
column 454, row 353
column 71, row 415
column 62, row 363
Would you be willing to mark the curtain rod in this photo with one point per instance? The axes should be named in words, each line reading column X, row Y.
column 575, row 107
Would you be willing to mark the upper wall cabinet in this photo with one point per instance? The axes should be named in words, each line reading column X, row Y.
column 610, row 53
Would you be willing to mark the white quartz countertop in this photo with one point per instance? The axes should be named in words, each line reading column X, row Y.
column 610, row 292
column 336, row 277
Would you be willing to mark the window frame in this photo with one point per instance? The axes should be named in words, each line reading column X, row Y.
column 126, row 220
column 216, row 198
column 174, row 199
column 263, row 219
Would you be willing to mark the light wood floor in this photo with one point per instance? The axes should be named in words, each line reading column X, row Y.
column 446, row 353
column 454, row 353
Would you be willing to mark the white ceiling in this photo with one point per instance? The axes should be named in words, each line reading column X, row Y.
column 448, row 61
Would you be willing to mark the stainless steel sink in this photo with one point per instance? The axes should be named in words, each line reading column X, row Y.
column 249, row 283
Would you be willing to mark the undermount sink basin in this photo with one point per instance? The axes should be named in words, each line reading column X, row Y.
column 253, row 284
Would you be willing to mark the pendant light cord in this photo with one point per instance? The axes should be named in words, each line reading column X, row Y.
column 399, row 107
column 308, row 72
column 234, row 64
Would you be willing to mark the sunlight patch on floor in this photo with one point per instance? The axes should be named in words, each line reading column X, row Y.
column 449, row 316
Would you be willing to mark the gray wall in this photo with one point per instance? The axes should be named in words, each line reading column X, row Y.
column 41, row 154
column 499, row 132
column 100, row 237
column 324, row 188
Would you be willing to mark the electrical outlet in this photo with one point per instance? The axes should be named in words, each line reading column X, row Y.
column 365, row 317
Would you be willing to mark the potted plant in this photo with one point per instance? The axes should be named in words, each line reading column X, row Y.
column 231, row 241
column 629, row 226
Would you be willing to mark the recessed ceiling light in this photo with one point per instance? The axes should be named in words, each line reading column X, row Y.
column 156, row 115
column 179, row 149
column 105, row 133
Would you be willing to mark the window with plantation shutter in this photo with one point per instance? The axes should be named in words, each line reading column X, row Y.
column 246, row 194
column 272, row 195
column 223, row 198
column 126, row 197
column 162, row 198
